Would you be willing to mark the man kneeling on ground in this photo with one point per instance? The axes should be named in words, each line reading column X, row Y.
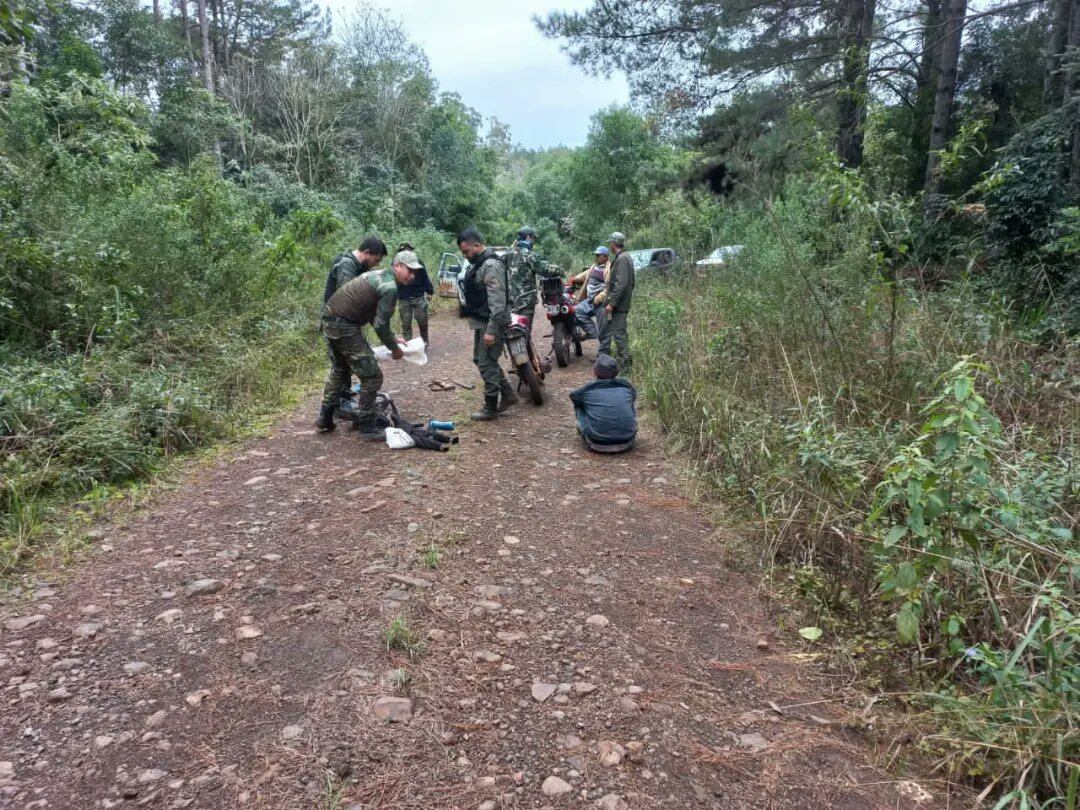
column 605, row 409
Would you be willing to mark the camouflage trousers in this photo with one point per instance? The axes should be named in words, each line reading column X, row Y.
column 409, row 308
column 487, row 361
column 350, row 353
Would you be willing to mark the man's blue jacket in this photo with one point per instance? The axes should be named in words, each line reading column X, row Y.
column 605, row 411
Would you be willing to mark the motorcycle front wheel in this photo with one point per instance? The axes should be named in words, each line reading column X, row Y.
column 527, row 375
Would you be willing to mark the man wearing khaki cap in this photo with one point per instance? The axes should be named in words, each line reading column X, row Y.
column 618, row 293
column 413, row 300
column 370, row 298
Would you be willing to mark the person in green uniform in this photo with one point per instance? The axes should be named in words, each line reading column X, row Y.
column 618, row 294
column 370, row 298
column 485, row 285
column 345, row 267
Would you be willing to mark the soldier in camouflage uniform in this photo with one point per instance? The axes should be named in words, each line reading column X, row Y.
column 369, row 298
column 345, row 268
column 348, row 266
column 524, row 266
column 485, row 288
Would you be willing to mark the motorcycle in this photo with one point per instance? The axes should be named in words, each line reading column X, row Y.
column 560, row 306
column 526, row 363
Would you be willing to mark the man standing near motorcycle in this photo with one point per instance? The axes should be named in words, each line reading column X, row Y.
column 591, row 295
column 485, row 286
column 370, row 298
column 618, row 293
column 524, row 265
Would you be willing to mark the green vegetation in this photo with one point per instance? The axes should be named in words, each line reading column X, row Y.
column 400, row 637
column 431, row 556
column 168, row 214
column 884, row 379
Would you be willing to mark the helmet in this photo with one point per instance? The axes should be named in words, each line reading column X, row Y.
column 525, row 231
column 617, row 238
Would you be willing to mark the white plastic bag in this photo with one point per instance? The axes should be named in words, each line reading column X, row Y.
column 398, row 439
column 414, row 351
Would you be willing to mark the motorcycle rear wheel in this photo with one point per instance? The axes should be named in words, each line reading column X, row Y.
column 527, row 375
column 561, row 339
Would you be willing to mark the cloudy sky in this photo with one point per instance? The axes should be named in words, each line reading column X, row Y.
column 490, row 53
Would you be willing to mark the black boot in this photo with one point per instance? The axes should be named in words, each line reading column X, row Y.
column 324, row 423
column 371, row 430
column 424, row 334
column 489, row 411
column 507, row 396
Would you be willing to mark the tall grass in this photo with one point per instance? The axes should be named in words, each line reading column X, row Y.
column 906, row 453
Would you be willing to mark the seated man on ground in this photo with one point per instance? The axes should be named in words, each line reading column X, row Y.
column 604, row 408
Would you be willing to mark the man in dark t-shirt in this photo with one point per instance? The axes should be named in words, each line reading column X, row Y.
column 413, row 300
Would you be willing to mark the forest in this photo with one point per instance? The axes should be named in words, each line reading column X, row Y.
column 880, row 388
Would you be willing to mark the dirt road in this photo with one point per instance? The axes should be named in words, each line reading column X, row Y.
column 578, row 642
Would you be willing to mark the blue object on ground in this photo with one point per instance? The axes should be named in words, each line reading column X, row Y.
column 435, row 424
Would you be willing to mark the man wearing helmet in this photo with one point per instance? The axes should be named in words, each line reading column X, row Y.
column 524, row 265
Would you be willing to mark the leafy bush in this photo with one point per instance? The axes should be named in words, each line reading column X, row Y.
column 976, row 553
column 1028, row 221
column 922, row 501
column 143, row 310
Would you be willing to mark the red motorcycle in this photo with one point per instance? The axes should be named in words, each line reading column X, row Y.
column 526, row 363
column 560, row 306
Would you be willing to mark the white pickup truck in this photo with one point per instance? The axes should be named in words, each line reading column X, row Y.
column 451, row 266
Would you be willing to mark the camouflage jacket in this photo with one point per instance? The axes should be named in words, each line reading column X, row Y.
column 620, row 282
column 344, row 269
column 369, row 298
column 524, row 266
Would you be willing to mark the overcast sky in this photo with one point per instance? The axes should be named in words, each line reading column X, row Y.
column 490, row 53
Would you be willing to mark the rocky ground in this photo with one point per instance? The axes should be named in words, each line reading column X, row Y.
column 563, row 633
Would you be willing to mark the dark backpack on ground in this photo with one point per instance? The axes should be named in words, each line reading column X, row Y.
column 387, row 415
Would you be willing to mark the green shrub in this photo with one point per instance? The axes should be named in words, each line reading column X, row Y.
column 921, row 504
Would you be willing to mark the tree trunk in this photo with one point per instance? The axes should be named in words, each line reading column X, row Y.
column 185, row 20
column 207, row 56
column 854, row 90
column 216, row 36
column 1069, row 95
column 946, row 88
column 1060, row 11
column 926, row 84
column 157, row 11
